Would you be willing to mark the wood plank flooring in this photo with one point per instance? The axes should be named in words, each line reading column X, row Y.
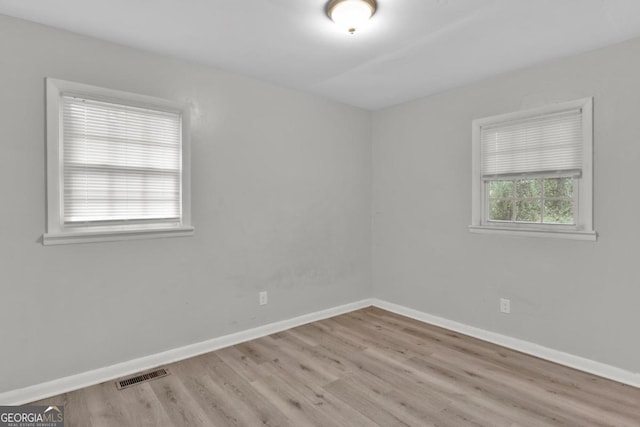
column 366, row 368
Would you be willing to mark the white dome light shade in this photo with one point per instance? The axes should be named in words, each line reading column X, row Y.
column 351, row 14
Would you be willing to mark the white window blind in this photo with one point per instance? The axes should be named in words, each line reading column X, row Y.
column 120, row 163
column 547, row 143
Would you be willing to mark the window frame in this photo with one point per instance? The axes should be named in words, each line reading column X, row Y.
column 583, row 185
column 56, row 232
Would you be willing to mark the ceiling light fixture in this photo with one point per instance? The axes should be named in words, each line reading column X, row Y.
column 351, row 14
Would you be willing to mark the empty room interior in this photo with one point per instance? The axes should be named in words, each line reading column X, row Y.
column 320, row 213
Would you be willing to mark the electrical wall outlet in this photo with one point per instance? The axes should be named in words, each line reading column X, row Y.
column 262, row 298
column 505, row 305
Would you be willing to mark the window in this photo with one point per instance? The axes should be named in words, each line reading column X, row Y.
column 117, row 165
column 532, row 172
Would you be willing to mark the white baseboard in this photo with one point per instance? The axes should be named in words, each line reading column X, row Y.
column 109, row 373
column 97, row 376
column 566, row 359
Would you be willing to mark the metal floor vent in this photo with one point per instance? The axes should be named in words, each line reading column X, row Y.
column 140, row 378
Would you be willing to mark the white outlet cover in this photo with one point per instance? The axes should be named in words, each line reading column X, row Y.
column 505, row 305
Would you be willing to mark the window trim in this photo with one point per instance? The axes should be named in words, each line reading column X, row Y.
column 583, row 230
column 56, row 233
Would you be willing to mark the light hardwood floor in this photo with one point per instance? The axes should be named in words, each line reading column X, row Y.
column 366, row 368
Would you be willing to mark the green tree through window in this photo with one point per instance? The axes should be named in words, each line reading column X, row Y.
column 539, row 200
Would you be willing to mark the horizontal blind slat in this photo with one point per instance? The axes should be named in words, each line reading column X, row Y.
column 120, row 163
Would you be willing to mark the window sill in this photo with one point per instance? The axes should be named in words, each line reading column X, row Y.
column 114, row 235
column 550, row 234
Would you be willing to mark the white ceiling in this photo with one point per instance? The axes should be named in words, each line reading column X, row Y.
column 410, row 48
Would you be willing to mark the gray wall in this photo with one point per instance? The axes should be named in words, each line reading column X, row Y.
column 281, row 189
column 578, row 297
